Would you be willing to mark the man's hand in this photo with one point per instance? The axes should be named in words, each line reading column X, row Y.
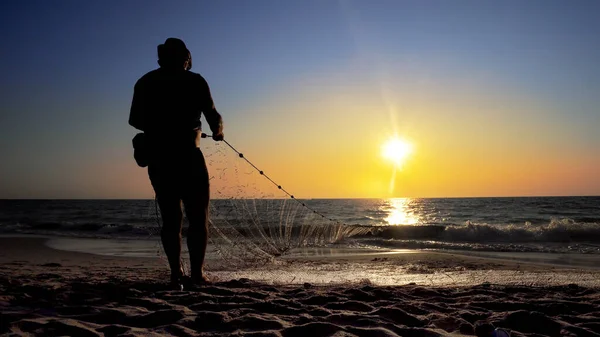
column 218, row 136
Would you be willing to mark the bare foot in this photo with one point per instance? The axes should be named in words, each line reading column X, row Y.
column 202, row 279
column 189, row 283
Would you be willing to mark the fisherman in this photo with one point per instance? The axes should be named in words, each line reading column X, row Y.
column 167, row 105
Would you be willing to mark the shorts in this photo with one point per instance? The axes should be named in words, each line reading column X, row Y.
column 181, row 176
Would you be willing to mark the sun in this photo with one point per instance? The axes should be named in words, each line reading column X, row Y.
column 396, row 150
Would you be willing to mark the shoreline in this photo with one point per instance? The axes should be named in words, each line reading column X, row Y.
column 431, row 268
column 152, row 249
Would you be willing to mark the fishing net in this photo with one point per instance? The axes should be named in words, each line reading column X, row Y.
column 253, row 220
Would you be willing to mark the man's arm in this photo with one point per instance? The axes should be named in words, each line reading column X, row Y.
column 210, row 112
column 136, row 117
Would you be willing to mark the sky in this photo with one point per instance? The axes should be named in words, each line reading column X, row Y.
column 496, row 98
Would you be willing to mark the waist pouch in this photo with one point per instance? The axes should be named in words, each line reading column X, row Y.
column 140, row 149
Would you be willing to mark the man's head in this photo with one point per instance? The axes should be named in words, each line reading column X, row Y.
column 174, row 54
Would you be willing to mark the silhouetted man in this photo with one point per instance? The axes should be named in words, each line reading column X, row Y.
column 167, row 105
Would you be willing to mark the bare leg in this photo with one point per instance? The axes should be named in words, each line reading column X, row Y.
column 196, row 210
column 196, row 198
column 170, row 208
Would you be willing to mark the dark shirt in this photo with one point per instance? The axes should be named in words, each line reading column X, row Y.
column 167, row 106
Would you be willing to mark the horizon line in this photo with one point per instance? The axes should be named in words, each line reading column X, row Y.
column 326, row 198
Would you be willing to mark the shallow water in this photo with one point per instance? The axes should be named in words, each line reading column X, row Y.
column 153, row 249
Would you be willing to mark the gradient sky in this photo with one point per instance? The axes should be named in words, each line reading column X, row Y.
column 498, row 98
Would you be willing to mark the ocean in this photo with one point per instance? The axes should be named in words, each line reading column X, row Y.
column 278, row 227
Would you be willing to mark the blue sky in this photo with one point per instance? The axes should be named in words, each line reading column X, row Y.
column 68, row 69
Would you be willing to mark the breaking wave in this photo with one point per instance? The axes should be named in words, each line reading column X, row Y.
column 557, row 230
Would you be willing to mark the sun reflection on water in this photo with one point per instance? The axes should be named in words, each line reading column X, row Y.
column 400, row 212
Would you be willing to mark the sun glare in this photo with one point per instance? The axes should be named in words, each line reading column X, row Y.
column 396, row 150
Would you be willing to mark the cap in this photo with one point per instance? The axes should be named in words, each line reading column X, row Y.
column 173, row 50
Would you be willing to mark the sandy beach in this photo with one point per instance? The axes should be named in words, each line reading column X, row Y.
column 332, row 168
column 48, row 292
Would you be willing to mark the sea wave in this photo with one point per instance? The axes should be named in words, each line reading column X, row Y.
column 557, row 230
column 81, row 229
